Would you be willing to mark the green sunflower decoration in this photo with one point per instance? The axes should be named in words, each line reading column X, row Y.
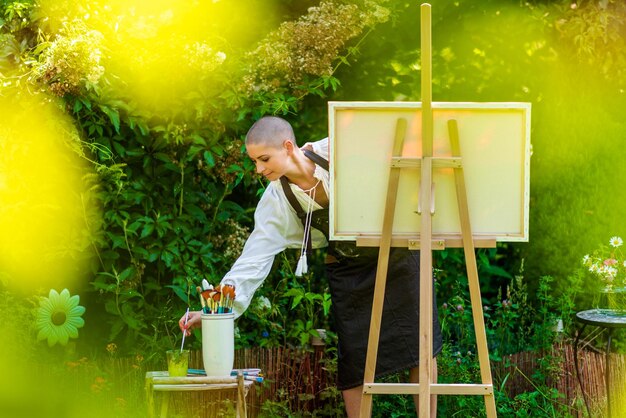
column 59, row 317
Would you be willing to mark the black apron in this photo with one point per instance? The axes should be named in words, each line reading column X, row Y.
column 352, row 277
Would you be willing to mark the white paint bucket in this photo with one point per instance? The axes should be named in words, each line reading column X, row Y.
column 218, row 343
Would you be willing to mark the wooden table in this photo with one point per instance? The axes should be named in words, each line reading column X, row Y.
column 160, row 381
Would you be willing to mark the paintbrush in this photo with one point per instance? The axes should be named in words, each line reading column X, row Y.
column 199, row 290
column 229, row 291
column 216, row 296
column 247, row 372
column 206, row 295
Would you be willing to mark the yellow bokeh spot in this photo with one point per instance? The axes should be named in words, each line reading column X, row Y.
column 160, row 53
column 44, row 210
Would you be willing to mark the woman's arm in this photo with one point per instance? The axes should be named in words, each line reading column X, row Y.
column 276, row 227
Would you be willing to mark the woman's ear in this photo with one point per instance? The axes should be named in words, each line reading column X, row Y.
column 289, row 146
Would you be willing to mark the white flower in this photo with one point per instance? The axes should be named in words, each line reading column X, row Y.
column 616, row 242
column 609, row 272
column 59, row 317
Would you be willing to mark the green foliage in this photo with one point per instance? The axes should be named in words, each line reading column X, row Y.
column 512, row 325
column 168, row 223
column 175, row 189
column 554, row 55
column 288, row 311
column 328, row 402
column 393, row 406
column 514, row 321
column 543, row 402
column 16, row 14
column 316, row 307
column 278, row 408
column 17, row 37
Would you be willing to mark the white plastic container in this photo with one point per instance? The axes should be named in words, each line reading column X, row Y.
column 218, row 343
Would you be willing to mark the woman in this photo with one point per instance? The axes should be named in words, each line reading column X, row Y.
column 299, row 182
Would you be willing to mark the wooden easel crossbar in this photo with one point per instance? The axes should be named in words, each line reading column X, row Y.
column 425, row 388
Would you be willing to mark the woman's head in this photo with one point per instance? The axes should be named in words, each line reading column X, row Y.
column 270, row 131
column 270, row 143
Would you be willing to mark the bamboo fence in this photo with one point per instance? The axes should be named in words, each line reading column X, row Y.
column 295, row 377
column 519, row 369
column 298, row 380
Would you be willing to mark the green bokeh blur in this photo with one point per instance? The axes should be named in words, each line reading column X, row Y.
column 533, row 52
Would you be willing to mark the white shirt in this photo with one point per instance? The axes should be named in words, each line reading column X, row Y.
column 276, row 227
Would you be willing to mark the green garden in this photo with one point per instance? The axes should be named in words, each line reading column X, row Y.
column 124, row 183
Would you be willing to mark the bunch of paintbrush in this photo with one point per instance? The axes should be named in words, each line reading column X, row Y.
column 218, row 300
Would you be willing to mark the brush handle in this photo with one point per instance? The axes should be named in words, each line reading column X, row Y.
column 186, row 319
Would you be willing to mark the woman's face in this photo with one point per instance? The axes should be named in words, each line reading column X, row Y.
column 271, row 162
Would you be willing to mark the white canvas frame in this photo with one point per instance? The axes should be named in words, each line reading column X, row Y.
column 495, row 151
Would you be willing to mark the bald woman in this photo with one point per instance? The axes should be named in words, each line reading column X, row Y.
column 293, row 213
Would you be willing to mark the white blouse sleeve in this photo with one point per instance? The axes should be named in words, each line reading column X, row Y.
column 276, row 227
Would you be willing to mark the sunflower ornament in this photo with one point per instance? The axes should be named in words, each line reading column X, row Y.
column 59, row 317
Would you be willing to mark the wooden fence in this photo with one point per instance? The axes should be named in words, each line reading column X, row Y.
column 294, row 378
column 519, row 369
column 300, row 381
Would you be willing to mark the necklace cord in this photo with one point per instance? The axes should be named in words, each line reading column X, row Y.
column 302, row 262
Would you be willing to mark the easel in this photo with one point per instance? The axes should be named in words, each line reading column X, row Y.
column 427, row 243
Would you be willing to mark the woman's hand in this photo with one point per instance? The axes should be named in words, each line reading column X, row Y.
column 194, row 321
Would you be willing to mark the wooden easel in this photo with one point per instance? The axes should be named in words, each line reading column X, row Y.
column 427, row 243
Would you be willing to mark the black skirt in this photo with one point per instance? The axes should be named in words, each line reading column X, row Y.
column 352, row 283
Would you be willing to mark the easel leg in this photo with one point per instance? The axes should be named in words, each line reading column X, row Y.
column 472, row 272
column 479, row 327
column 426, row 298
column 374, row 334
column 414, row 378
column 426, row 182
column 381, row 272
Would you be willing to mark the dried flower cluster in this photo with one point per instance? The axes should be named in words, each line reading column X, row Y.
column 231, row 241
column 72, row 60
column 310, row 45
column 202, row 57
column 232, row 156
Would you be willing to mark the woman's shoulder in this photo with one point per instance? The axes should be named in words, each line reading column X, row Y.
column 320, row 147
column 273, row 196
column 272, row 191
column 273, row 203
